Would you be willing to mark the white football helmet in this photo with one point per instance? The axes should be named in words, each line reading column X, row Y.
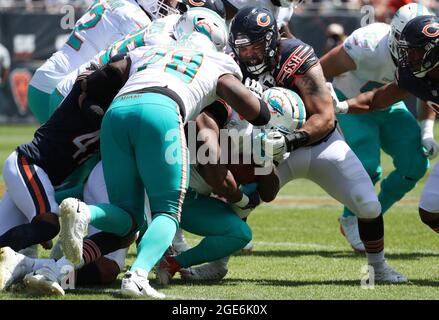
column 197, row 41
column 400, row 20
column 287, row 109
column 204, row 21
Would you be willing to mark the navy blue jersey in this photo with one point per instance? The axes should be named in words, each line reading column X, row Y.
column 296, row 58
column 422, row 88
column 65, row 141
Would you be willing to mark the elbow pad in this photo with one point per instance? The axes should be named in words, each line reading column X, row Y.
column 264, row 115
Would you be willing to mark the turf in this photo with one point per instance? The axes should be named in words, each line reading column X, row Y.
column 299, row 252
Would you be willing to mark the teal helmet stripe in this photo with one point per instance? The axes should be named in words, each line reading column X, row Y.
column 300, row 107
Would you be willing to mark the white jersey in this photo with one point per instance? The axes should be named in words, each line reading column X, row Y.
column 368, row 48
column 282, row 14
column 159, row 32
column 104, row 22
column 191, row 74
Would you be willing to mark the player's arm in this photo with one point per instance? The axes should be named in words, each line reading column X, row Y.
column 318, row 102
column 336, row 62
column 376, row 99
column 268, row 185
column 230, row 89
column 426, row 118
column 215, row 174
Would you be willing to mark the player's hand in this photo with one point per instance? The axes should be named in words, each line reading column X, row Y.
column 254, row 87
column 274, row 145
column 431, row 148
column 339, row 107
column 249, row 202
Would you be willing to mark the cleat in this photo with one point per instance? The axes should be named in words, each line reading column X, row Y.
column 166, row 270
column 179, row 243
column 74, row 219
column 135, row 284
column 385, row 273
column 349, row 229
column 211, row 271
column 13, row 267
column 45, row 281
column 248, row 247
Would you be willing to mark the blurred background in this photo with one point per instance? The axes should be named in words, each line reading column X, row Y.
column 31, row 30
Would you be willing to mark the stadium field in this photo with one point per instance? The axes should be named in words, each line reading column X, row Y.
column 299, row 252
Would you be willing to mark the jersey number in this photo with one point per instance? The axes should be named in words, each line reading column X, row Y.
column 83, row 142
column 95, row 12
column 184, row 63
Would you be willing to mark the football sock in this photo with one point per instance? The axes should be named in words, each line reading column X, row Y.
column 372, row 234
column 28, row 234
column 157, row 238
column 110, row 218
column 431, row 220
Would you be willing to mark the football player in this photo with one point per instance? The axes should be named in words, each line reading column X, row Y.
column 104, row 22
column 318, row 152
column 417, row 74
column 160, row 78
column 366, row 60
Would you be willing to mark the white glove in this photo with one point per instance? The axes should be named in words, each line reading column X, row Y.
column 339, row 107
column 274, row 146
column 254, row 86
column 247, row 204
column 427, row 138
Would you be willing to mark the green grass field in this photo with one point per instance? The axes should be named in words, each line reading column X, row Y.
column 299, row 252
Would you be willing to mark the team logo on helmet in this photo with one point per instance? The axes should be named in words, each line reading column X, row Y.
column 19, row 81
column 196, row 3
column 431, row 30
column 276, row 103
column 263, row 19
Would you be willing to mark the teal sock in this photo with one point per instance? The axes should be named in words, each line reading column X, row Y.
column 157, row 238
column 393, row 188
column 109, row 218
column 212, row 248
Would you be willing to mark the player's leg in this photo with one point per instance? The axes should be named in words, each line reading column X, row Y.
column 401, row 139
column 338, row 171
column 32, row 192
column 361, row 133
column 429, row 203
column 224, row 233
column 55, row 100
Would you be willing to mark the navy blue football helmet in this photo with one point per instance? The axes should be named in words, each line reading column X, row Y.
column 255, row 26
column 214, row 5
column 418, row 46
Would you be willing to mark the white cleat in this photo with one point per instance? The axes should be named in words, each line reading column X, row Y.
column 349, row 228
column 248, row 247
column 385, row 273
column 135, row 284
column 179, row 243
column 74, row 219
column 45, row 281
column 211, row 271
column 13, row 267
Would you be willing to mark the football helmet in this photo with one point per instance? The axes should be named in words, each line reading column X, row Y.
column 204, row 21
column 287, row 109
column 400, row 20
column 254, row 39
column 418, row 47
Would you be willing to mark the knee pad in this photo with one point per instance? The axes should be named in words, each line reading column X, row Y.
column 414, row 168
column 369, row 210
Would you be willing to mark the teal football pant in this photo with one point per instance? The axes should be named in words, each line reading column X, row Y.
column 223, row 230
column 143, row 148
column 397, row 133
